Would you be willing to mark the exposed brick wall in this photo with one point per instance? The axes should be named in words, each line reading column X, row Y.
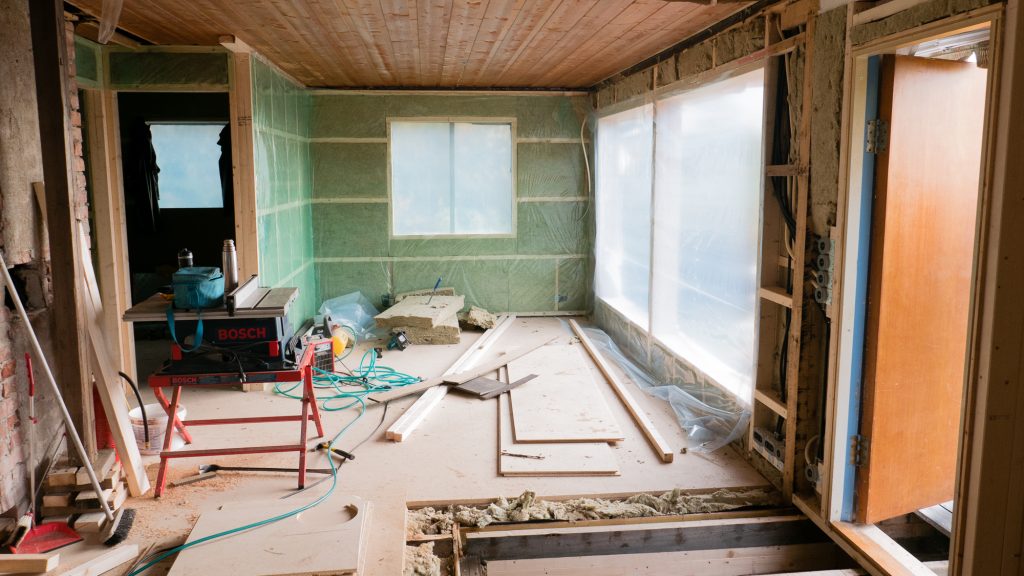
column 14, row 423
column 12, row 475
column 78, row 181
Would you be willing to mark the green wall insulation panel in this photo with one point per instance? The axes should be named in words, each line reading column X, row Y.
column 87, row 59
column 165, row 70
column 284, row 187
column 544, row 267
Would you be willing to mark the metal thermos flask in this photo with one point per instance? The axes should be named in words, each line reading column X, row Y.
column 184, row 258
column 229, row 261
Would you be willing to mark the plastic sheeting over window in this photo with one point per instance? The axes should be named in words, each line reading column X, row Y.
column 623, row 244
column 451, row 178
column 707, row 188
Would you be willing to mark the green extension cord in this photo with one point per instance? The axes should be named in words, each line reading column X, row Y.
column 367, row 379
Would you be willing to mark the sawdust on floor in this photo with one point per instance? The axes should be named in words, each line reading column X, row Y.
column 179, row 500
column 527, row 507
column 421, row 561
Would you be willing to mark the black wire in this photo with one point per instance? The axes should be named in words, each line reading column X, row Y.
column 142, row 405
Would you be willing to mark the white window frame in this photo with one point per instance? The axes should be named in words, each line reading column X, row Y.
column 514, row 200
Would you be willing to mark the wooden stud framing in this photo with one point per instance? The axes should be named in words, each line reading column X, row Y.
column 109, row 233
column 243, row 164
column 988, row 533
column 775, row 300
column 50, row 53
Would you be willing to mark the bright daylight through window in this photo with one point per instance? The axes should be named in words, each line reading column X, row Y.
column 451, row 178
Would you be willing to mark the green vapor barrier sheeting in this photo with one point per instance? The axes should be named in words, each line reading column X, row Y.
column 87, row 57
column 544, row 266
column 284, row 187
column 167, row 69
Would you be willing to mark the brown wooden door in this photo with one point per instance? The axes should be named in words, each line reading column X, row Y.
column 919, row 283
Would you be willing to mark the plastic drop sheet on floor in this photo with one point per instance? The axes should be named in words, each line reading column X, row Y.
column 711, row 423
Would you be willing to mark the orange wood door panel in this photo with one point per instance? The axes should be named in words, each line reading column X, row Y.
column 919, row 283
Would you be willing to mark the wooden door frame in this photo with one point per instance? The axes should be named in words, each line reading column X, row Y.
column 882, row 554
column 107, row 187
column 110, row 233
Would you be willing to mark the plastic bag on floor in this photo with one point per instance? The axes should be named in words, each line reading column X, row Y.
column 354, row 312
column 711, row 424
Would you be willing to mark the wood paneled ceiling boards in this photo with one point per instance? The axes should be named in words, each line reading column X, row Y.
column 430, row 43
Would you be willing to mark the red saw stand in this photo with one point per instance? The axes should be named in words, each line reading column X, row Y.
column 302, row 372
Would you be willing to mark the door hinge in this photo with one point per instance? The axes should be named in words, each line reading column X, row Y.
column 877, row 140
column 859, row 449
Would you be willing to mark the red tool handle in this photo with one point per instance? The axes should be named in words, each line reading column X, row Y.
column 31, row 388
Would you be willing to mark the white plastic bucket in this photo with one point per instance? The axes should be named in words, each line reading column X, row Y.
column 156, row 417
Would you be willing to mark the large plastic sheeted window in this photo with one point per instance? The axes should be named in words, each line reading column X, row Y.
column 451, row 178
column 188, row 156
column 707, row 188
column 623, row 247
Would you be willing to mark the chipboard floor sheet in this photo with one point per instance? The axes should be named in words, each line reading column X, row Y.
column 451, row 457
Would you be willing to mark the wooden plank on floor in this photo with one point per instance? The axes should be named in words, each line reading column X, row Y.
column 643, row 538
column 939, row 516
column 407, row 423
column 28, row 563
column 102, row 561
column 459, row 378
column 563, row 404
column 654, row 438
column 561, row 459
column 722, row 562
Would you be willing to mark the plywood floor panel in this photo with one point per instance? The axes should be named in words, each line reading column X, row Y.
column 451, row 457
column 563, row 404
column 325, row 539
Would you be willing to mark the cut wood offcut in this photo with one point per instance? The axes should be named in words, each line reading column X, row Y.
column 563, row 404
column 550, row 459
column 407, row 423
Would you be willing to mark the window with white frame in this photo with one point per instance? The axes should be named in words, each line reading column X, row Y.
column 451, row 178
column 623, row 243
column 707, row 178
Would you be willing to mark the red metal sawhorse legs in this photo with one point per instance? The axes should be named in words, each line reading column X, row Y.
column 310, row 411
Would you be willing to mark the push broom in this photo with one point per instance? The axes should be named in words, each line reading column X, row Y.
column 118, row 532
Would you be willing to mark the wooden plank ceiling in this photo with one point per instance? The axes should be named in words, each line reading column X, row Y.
column 430, row 43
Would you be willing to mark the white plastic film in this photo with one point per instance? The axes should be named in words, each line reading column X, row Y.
column 707, row 188
column 451, row 178
column 623, row 243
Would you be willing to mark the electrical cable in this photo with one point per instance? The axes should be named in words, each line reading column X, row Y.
column 334, row 484
column 348, row 389
column 352, row 450
column 367, row 379
column 142, row 405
